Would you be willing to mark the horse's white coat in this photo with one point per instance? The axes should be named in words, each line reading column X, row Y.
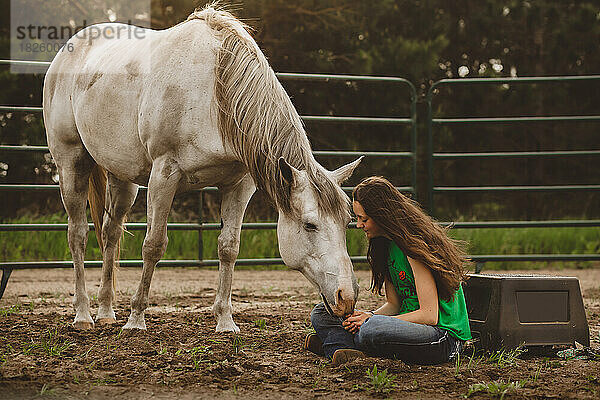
column 146, row 111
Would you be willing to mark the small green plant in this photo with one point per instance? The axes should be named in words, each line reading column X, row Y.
column 474, row 365
column 381, row 382
column 161, row 350
column 504, row 357
column 15, row 309
column 46, row 390
column 198, row 354
column 496, row 388
column 414, row 385
column 537, row 373
column 50, row 343
column 84, row 355
column 457, row 365
column 238, row 344
column 261, row 324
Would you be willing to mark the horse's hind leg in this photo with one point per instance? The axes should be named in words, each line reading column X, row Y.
column 234, row 203
column 163, row 183
column 74, row 168
column 121, row 196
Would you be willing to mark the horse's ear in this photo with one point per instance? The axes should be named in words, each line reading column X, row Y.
column 287, row 171
column 345, row 171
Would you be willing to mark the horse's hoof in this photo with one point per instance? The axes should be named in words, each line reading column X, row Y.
column 106, row 321
column 135, row 324
column 228, row 327
column 133, row 328
column 83, row 325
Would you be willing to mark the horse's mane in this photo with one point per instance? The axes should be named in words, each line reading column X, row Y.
column 258, row 120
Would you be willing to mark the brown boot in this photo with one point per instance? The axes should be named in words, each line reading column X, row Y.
column 342, row 356
column 313, row 343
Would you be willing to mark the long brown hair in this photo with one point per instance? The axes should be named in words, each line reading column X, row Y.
column 415, row 233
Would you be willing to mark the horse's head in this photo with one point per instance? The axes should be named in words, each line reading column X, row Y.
column 313, row 241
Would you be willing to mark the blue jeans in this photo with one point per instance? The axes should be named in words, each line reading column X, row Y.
column 387, row 337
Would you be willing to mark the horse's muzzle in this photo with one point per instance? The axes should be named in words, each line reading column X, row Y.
column 342, row 307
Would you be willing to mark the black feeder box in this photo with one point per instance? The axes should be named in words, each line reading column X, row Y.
column 506, row 311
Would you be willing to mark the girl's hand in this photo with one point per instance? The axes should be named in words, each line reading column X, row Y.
column 353, row 323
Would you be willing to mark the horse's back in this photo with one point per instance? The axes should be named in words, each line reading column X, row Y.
column 131, row 98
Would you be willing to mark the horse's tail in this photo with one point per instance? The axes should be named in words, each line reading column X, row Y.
column 97, row 199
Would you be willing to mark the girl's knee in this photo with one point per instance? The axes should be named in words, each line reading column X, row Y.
column 367, row 334
column 318, row 314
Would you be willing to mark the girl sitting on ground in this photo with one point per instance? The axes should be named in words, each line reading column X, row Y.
column 424, row 319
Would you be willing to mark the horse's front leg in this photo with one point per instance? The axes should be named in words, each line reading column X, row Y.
column 162, row 186
column 234, row 203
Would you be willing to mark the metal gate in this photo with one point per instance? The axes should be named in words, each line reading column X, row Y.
column 434, row 189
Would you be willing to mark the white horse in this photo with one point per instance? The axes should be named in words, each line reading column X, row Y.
column 184, row 108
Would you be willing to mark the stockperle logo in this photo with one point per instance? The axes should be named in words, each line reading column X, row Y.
column 41, row 29
column 63, row 33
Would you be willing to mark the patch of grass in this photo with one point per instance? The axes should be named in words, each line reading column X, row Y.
column 238, row 344
column 496, row 388
column 531, row 241
column 380, row 381
column 261, row 324
column 14, row 309
column 197, row 355
column 503, row 357
column 50, row 343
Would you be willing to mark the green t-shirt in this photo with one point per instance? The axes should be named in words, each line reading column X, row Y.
column 452, row 314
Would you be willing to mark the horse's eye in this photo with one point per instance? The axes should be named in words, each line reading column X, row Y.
column 310, row 227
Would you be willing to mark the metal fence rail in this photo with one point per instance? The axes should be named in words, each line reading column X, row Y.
column 432, row 121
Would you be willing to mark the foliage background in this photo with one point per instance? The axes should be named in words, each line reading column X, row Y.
column 422, row 41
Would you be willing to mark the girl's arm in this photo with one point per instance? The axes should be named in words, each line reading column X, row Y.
column 391, row 307
column 426, row 292
column 393, row 303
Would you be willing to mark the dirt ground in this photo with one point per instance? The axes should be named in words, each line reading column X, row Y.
column 181, row 356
